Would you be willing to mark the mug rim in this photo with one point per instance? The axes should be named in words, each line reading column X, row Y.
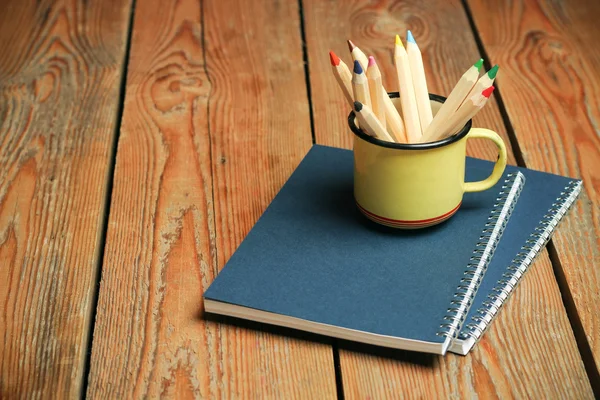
column 410, row 146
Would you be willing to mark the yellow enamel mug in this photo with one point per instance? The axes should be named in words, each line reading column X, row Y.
column 412, row 186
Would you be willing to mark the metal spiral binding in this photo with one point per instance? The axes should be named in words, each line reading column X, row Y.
column 479, row 261
column 520, row 264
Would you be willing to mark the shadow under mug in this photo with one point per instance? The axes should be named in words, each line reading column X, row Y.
column 411, row 186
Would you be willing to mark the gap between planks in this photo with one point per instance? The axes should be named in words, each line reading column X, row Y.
column 107, row 201
column 306, row 70
column 585, row 351
column 510, row 130
column 583, row 346
column 334, row 348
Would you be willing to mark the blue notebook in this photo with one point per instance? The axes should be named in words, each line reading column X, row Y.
column 313, row 262
column 543, row 202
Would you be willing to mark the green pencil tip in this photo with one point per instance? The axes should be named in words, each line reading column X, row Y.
column 492, row 72
column 478, row 64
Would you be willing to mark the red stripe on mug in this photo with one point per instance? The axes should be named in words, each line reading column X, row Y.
column 409, row 223
column 404, row 226
column 396, row 225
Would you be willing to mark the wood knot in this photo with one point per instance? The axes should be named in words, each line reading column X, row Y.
column 545, row 43
column 175, row 87
column 44, row 86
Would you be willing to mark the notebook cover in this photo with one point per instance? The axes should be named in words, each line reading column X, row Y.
column 543, row 202
column 313, row 256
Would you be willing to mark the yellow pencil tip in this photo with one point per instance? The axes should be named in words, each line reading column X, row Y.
column 398, row 41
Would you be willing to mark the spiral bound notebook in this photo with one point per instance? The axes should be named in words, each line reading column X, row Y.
column 312, row 262
column 544, row 201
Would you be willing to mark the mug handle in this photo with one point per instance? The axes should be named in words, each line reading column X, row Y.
column 500, row 163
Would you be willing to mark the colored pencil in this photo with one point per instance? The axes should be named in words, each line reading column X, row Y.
column 455, row 99
column 463, row 116
column 369, row 122
column 419, row 81
column 484, row 82
column 457, row 121
column 358, row 55
column 407, row 93
column 343, row 76
column 360, row 85
column 393, row 119
column 376, row 91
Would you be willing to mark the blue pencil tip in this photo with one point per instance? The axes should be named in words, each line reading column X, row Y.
column 410, row 38
column 357, row 68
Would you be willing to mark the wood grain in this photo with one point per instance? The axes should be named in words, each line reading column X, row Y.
column 216, row 118
column 530, row 349
column 551, row 87
column 60, row 71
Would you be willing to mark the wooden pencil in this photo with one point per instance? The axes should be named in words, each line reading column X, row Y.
column 484, row 82
column 343, row 76
column 376, row 91
column 455, row 99
column 407, row 93
column 358, row 55
column 393, row 119
column 419, row 81
column 457, row 121
column 369, row 122
column 360, row 85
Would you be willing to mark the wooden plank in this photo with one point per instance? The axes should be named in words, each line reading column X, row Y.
column 216, row 118
column 551, row 61
column 530, row 350
column 60, row 71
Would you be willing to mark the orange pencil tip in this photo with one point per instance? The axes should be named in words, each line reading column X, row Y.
column 335, row 60
column 488, row 92
column 351, row 45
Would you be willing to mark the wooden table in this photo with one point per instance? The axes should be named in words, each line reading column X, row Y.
column 139, row 143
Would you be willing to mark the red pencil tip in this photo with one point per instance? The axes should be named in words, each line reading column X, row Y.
column 351, row 45
column 335, row 60
column 488, row 92
column 371, row 61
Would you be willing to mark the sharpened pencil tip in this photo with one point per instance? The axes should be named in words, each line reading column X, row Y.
column 398, row 41
column 492, row 72
column 351, row 45
column 478, row 64
column 357, row 68
column 488, row 92
column 335, row 60
column 410, row 38
column 358, row 106
column 371, row 61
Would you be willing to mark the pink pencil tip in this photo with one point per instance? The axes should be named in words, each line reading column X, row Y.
column 488, row 92
column 371, row 61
